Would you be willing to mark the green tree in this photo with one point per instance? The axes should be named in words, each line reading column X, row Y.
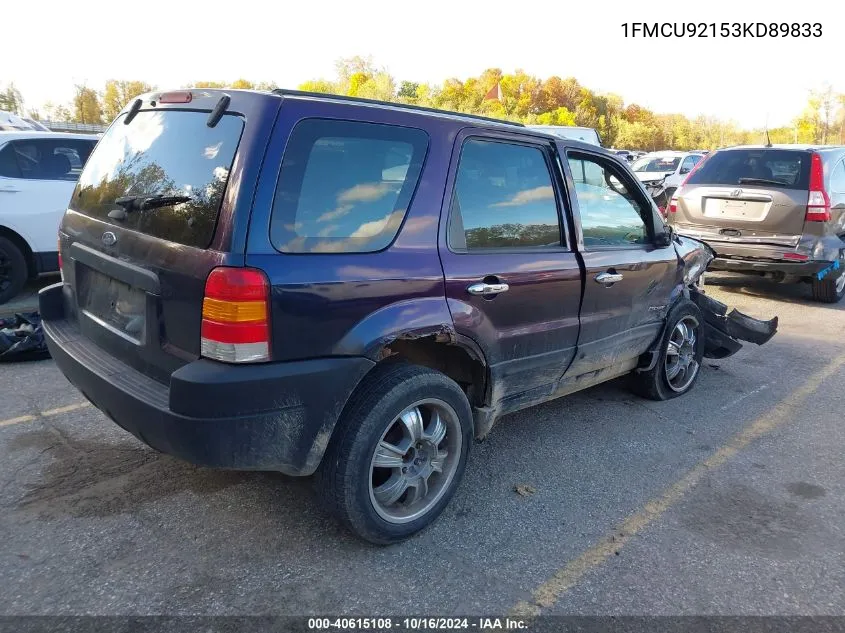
column 11, row 100
column 86, row 105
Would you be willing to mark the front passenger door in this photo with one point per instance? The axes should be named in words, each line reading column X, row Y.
column 629, row 280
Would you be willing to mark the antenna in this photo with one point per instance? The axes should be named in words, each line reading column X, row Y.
column 768, row 140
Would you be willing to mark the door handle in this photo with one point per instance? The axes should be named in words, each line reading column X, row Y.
column 608, row 279
column 486, row 290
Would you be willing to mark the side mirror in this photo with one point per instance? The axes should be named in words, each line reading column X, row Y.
column 664, row 238
column 685, row 170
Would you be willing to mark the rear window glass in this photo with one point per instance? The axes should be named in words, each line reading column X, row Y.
column 786, row 169
column 344, row 186
column 168, row 153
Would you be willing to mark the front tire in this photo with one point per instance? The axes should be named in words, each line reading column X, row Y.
column 679, row 358
column 13, row 270
column 398, row 453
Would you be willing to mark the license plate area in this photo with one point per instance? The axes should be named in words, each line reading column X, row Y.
column 729, row 209
column 112, row 304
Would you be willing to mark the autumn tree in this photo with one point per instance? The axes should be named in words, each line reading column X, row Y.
column 118, row 93
column 86, row 105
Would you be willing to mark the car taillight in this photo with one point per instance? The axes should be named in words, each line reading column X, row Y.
column 818, row 203
column 673, row 205
column 798, row 257
column 236, row 316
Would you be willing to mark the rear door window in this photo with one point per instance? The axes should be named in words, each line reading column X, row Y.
column 345, row 186
column 765, row 167
column 503, row 198
column 168, row 153
column 45, row 159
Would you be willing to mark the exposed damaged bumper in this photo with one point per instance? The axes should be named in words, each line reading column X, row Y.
column 723, row 331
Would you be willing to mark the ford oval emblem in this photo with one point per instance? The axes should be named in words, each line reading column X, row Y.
column 109, row 238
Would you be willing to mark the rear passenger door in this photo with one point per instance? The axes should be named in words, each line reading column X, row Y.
column 629, row 280
column 513, row 283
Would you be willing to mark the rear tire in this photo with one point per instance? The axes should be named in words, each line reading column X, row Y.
column 679, row 357
column 13, row 270
column 830, row 290
column 381, row 449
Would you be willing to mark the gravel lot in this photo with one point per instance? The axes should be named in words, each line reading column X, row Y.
column 730, row 500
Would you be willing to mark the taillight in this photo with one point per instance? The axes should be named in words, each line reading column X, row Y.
column 236, row 315
column 798, row 257
column 673, row 205
column 818, row 203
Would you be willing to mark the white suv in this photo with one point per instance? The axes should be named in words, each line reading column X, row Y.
column 38, row 171
column 674, row 165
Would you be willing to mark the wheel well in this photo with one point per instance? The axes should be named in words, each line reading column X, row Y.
column 18, row 241
column 453, row 360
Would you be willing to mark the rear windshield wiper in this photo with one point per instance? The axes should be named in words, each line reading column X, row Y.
column 144, row 203
column 760, row 181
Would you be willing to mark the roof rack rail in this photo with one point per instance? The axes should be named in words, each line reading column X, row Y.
column 405, row 106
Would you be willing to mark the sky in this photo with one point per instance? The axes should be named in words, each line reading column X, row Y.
column 172, row 43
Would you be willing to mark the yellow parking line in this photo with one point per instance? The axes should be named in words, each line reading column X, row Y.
column 67, row 409
column 44, row 414
column 23, row 418
column 548, row 593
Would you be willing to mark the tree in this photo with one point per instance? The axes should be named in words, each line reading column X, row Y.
column 118, row 93
column 86, row 106
column 11, row 100
column 318, row 85
column 56, row 112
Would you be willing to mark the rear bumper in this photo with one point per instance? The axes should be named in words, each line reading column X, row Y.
column 269, row 416
column 745, row 265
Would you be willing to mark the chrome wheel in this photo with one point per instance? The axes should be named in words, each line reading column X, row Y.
column 681, row 365
column 415, row 461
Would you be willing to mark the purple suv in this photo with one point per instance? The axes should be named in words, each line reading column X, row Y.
column 318, row 284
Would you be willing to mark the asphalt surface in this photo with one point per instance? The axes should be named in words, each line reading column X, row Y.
column 730, row 500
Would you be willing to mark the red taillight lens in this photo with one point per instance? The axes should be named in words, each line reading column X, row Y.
column 236, row 315
column 673, row 205
column 798, row 257
column 818, row 203
column 180, row 96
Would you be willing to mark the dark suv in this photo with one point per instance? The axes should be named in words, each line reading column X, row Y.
column 305, row 283
column 774, row 211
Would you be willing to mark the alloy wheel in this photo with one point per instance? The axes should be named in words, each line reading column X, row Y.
column 415, row 461
column 681, row 366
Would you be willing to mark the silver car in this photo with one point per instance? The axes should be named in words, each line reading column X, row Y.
column 777, row 211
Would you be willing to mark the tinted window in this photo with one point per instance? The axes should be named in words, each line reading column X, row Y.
column 503, row 198
column 837, row 178
column 344, row 187
column 172, row 153
column 610, row 214
column 650, row 163
column 9, row 163
column 787, row 169
column 45, row 159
